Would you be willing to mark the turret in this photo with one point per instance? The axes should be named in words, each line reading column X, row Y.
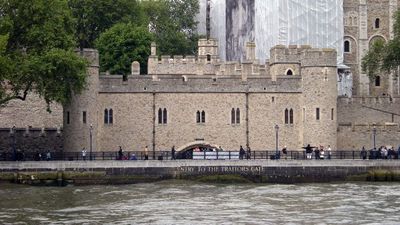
column 319, row 98
column 80, row 115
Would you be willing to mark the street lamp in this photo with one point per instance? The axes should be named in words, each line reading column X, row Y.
column 276, row 141
column 13, row 143
column 374, row 133
column 91, row 133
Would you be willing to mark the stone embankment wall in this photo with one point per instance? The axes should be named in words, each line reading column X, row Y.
column 123, row 172
column 31, row 139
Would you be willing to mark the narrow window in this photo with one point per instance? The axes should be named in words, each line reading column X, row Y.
column 377, row 81
column 208, row 57
column 110, row 116
column 106, row 116
column 84, row 117
column 332, row 110
column 165, row 116
column 377, row 23
column 273, row 99
column 346, row 46
column 317, row 113
column 233, row 119
column 286, row 116
column 237, row 116
column 159, row 116
column 198, row 117
column 304, row 114
column 67, row 117
column 291, row 116
column 203, row 116
column 289, row 72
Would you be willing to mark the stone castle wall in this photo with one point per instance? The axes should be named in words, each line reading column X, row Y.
column 355, row 136
column 31, row 140
column 30, row 113
column 368, row 110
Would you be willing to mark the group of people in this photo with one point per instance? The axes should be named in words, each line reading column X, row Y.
column 318, row 152
column 121, row 155
column 244, row 153
column 383, row 152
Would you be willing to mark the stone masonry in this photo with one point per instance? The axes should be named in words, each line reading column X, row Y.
column 261, row 92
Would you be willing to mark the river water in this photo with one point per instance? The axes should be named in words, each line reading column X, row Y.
column 177, row 202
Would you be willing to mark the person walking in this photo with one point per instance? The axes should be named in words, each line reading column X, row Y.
column 84, row 154
column 241, row 152
column 146, row 153
column 48, row 155
column 173, row 153
column 120, row 153
column 363, row 153
column 309, row 151
column 248, row 152
column 329, row 152
column 284, row 152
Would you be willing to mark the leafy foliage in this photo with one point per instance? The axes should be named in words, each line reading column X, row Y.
column 383, row 56
column 95, row 16
column 36, row 42
column 122, row 44
column 173, row 24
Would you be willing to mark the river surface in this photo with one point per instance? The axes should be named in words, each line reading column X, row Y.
column 177, row 202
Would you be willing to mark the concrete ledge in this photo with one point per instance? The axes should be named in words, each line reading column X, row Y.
column 259, row 171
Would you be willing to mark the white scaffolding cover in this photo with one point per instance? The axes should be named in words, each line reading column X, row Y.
column 318, row 23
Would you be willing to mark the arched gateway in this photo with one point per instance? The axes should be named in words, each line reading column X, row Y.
column 185, row 151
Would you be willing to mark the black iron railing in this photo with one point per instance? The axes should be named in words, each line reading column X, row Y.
column 217, row 155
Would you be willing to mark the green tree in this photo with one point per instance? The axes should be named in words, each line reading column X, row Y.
column 383, row 56
column 95, row 16
column 36, row 50
column 174, row 25
column 122, row 44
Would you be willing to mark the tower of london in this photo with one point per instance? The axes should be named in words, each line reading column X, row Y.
column 313, row 95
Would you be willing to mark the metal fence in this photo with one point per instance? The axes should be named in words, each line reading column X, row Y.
column 166, row 155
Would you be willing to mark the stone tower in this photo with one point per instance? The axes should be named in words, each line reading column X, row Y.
column 80, row 115
column 319, row 97
column 208, row 50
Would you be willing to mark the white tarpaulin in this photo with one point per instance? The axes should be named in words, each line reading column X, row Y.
column 318, row 23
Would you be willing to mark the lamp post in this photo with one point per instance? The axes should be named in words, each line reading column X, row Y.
column 13, row 144
column 91, row 133
column 374, row 133
column 276, row 141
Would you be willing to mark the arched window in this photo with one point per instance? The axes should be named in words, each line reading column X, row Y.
column 238, row 116
column 160, row 120
column 198, row 117
column 377, row 23
column 317, row 114
column 346, row 46
column 332, row 110
column 289, row 72
column 291, row 116
column 377, row 81
column 208, row 57
column 110, row 116
column 233, row 117
column 165, row 116
column 203, row 116
column 286, row 116
column 106, row 116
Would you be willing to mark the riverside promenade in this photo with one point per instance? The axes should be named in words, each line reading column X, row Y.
column 231, row 171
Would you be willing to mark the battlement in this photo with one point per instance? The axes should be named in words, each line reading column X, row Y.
column 92, row 55
column 303, row 54
column 369, row 127
column 369, row 100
